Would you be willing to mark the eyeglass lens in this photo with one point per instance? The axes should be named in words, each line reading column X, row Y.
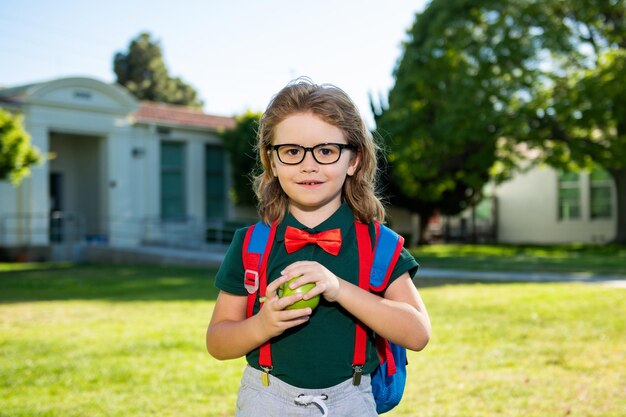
column 324, row 153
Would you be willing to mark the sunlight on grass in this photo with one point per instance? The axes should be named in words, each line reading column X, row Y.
column 605, row 259
column 554, row 251
column 138, row 350
column 135, row 358
column 30, row 266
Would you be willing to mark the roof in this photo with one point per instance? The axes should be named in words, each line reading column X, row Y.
column 163, row 114
column 18, row 91
column 171, row 114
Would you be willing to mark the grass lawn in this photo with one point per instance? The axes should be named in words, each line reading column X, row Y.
column 595, row 259
column 99, row 340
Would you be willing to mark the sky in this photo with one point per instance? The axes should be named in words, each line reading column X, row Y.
column 237, row 54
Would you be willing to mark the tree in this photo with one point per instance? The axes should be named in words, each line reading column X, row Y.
column 508, row 77
column 240, row 143
column 451, row 102
column 578, row 116
column 142, row 71
column 17, row 155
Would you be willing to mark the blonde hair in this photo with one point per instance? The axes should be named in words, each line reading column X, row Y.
column 333, row 106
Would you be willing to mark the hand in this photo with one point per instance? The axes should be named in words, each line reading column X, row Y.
column 274, row 318
column 326, row 283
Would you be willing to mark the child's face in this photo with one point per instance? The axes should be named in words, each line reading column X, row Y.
column 311, row 186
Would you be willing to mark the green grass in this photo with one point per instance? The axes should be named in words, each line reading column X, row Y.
column 596, row 259
column 129, row 341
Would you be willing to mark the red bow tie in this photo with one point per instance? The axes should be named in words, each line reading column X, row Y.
column 329, row 240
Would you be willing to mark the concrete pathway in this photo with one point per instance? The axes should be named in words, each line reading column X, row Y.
column 613, row 280
column 212, row 256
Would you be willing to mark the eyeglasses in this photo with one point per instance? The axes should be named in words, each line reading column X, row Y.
column 324, row 153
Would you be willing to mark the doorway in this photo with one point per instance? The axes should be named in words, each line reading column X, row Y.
column 75, row 186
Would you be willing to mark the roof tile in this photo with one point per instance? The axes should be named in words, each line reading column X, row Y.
column 181, row 115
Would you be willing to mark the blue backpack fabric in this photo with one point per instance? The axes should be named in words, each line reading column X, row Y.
column 388, row 382
column 389, row 379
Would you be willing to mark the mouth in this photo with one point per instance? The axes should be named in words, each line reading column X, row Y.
column 310, row 183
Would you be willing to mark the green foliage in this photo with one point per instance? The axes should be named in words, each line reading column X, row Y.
column 142, row 71
column 484, row 87
column 17, row 155
column 451, row 107
column 240, row 143
column 578, row 115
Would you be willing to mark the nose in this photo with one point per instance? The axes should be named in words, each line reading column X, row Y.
column 309, row 163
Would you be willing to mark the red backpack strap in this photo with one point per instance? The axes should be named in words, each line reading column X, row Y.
column 385, row 354
column 256, row 249
column 375, row 268
column 251, row 261
column 364, row 244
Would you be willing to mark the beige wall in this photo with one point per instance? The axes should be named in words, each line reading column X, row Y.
column 528, row 212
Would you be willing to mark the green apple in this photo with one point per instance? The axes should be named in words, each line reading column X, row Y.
column 285, row 291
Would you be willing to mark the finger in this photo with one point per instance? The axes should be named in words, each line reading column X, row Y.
column 296, row 322
column 270, row 291
column 295, row 268
column 285, row 302
column 300, row 277
column 295, row 314
column 294, row 281
column 316, row 290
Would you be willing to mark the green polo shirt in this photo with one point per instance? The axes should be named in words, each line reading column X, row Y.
column 317, row 354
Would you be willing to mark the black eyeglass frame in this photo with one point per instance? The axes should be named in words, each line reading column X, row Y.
column 341, row 147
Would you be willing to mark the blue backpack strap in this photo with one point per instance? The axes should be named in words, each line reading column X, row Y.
column 258, row 240
column 388, row 380
column 386, row 253
column 255, row 245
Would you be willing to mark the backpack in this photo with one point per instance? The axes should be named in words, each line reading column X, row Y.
column 375, row 268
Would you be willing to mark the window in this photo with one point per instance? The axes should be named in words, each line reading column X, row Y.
column 569, row 196
column 172, row 180
column 215, row 192
column 600, row 194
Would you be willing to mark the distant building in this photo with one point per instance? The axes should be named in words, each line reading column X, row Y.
column 544, row 205
column 122, row 173
column 540, row 206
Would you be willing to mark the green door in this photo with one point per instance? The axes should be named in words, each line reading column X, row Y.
column 215, row 191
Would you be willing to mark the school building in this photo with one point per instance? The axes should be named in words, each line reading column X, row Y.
column 540, row 206
column 122, row 173
column 125, row 173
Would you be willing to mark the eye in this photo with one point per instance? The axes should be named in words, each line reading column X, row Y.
column 327, row 150
column 291, row 151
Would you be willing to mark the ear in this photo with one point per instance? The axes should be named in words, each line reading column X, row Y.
column 354, row 164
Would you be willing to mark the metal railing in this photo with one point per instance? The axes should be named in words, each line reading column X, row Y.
column 30, row 229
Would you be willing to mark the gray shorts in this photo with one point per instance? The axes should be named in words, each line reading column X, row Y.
column 280, row 399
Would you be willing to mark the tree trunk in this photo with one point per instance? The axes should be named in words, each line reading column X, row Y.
column 620, row 187
column 424, row 217
column 415, row 230
column 473, row 232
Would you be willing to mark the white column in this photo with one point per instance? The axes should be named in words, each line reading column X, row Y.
column 35, row 193
column 194, row 180
column 585, row 197
column 124, row 223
